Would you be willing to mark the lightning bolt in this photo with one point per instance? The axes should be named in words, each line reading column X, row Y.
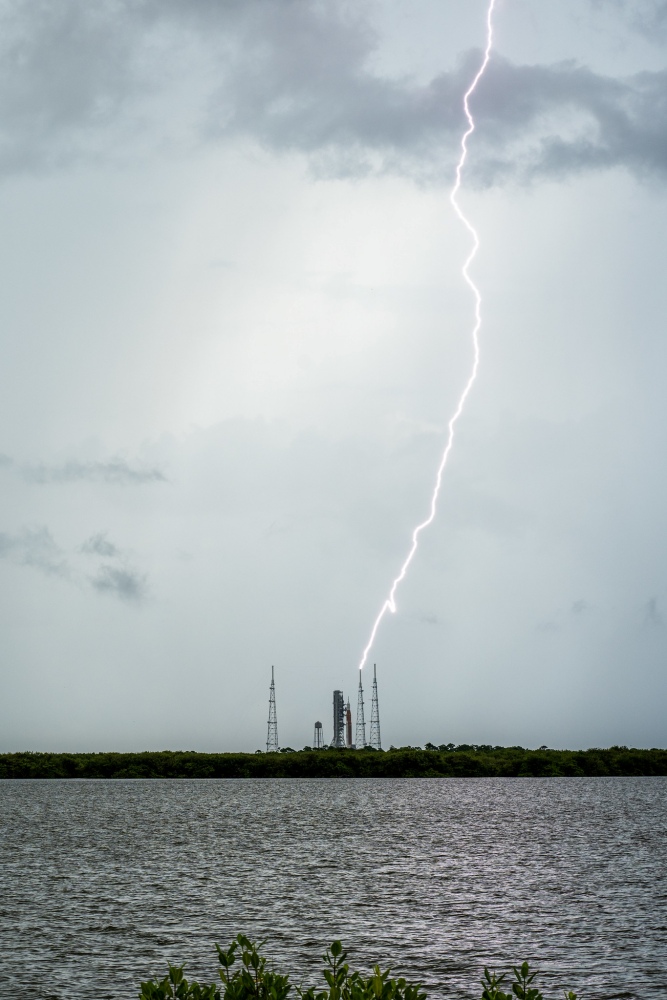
column 390, row 603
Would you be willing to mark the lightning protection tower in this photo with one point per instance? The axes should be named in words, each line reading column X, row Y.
column 318, row 740
column 338, row 720
column 272, row 732
column 375, row 740
column 360, row 740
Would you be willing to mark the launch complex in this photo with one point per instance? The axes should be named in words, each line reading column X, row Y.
column 342, row 722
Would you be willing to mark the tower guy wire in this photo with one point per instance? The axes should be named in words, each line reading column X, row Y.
column 375, row 740
column 360, row 736
column 272, row 731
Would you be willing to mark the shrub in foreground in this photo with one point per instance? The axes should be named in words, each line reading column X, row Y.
column 251, row 980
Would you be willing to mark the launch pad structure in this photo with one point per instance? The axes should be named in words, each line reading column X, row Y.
column 338, row 720
column 342, row 721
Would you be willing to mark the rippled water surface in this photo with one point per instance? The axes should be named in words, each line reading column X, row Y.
column 103, row 881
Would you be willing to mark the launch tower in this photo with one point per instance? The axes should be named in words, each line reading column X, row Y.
column 348, row 726
column 338, row 720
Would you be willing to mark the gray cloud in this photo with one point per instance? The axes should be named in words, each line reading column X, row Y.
column 558, row 120
column 317, row 96
column 652, row 616
column 124, row 583
column 65, row 68
column 117, row 579
column 73, row 74
column 116, row 471
column 35, row 547
column 548, row 626
column 648, row 17
column 99, row 545
column 296, row 77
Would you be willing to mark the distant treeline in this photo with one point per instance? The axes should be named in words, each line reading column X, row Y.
column 448, row 761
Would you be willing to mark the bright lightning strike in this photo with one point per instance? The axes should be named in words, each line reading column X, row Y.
column 390, row 603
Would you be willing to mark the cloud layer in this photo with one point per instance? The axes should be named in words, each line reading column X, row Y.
column 296, row 78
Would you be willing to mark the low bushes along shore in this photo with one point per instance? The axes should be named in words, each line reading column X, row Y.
column 251, row 980
column 445, row 761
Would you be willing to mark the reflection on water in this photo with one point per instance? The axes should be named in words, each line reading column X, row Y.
column 102, row 881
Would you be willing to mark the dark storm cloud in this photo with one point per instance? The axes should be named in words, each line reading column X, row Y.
column 300, row 82
column 63, row 68
column 126, row 584
column 35, row 547
column 532, row 121
column 295, row 77
column 560, row 120
column 116, row 471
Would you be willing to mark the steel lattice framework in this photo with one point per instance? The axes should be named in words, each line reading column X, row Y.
column 360, row 737
column 272, row 731
column 374, row 738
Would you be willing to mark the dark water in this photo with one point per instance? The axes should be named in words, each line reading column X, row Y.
column 101, row 882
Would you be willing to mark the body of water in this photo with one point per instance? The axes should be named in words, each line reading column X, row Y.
column 102, row 882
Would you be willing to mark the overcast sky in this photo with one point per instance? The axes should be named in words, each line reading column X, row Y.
column 233, row 328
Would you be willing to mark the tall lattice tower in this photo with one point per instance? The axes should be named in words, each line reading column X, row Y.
column 374, row 739
column 272, row 732
column 360, row 740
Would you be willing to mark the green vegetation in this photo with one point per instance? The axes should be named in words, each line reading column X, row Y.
column 445, row 761
column 253, row 981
